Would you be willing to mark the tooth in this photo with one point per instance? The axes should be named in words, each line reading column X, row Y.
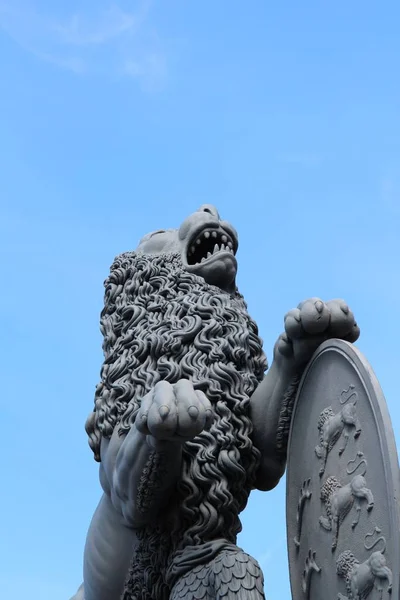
column 192, row 249
column 206, row 234
column 198, row 241
column 203, row 259
column 208, row 254
column 222, row 246
column 214, row 234
column 216, row 248
column 224, row 239
column 230, row 244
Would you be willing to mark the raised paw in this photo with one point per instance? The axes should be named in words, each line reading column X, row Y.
column 175, row 412
column 311, row 323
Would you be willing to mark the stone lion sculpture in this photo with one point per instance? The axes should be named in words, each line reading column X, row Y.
column 186, row 422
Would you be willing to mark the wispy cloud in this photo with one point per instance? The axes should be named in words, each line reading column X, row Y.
column 101, row 28
column 110, row 41
column 151, row 71
column 265, row 558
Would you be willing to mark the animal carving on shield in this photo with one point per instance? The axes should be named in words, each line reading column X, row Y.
column 339, row 500
column 362, row 578
column 332, row 427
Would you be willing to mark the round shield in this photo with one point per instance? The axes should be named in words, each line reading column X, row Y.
column 343, row 484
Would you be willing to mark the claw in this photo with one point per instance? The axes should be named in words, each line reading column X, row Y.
column 163, row 411
column 314, row 317
column 193, row 412
column 284, row 345
column 345, row 309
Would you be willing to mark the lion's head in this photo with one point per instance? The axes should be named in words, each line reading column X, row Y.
column 172, row 310
column 206, row 244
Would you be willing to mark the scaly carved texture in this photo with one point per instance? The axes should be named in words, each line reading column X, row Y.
column 285, row 418
column 331, row 485
column 146, row 580
column 326, row 414
column 345, row 565
column 230, row 576
column 152, row 474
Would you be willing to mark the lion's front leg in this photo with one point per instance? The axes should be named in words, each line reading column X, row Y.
column 108, row 553
column 148, row 462
column 306, row 327
column 111, row 539
column 138, row 473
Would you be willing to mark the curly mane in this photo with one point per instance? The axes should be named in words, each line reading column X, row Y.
column 161, row 322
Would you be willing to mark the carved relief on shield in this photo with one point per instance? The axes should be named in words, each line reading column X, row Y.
column 339, row 499
column 335, row 426
column 310, row 567
column 304, row 496
column 362, row 577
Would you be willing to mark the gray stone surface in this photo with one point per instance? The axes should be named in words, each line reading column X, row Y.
column 186, row 422
column 343, row 518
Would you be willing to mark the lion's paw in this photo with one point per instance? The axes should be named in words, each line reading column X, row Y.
column 311, row 323
column 175, row 412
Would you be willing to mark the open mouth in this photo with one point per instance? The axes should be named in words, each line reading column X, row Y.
column 209, row 243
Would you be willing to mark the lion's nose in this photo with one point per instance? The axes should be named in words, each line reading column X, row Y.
column 207, row 214
column 210, row 209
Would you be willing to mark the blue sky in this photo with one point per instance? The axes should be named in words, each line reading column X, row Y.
column 119, row 118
